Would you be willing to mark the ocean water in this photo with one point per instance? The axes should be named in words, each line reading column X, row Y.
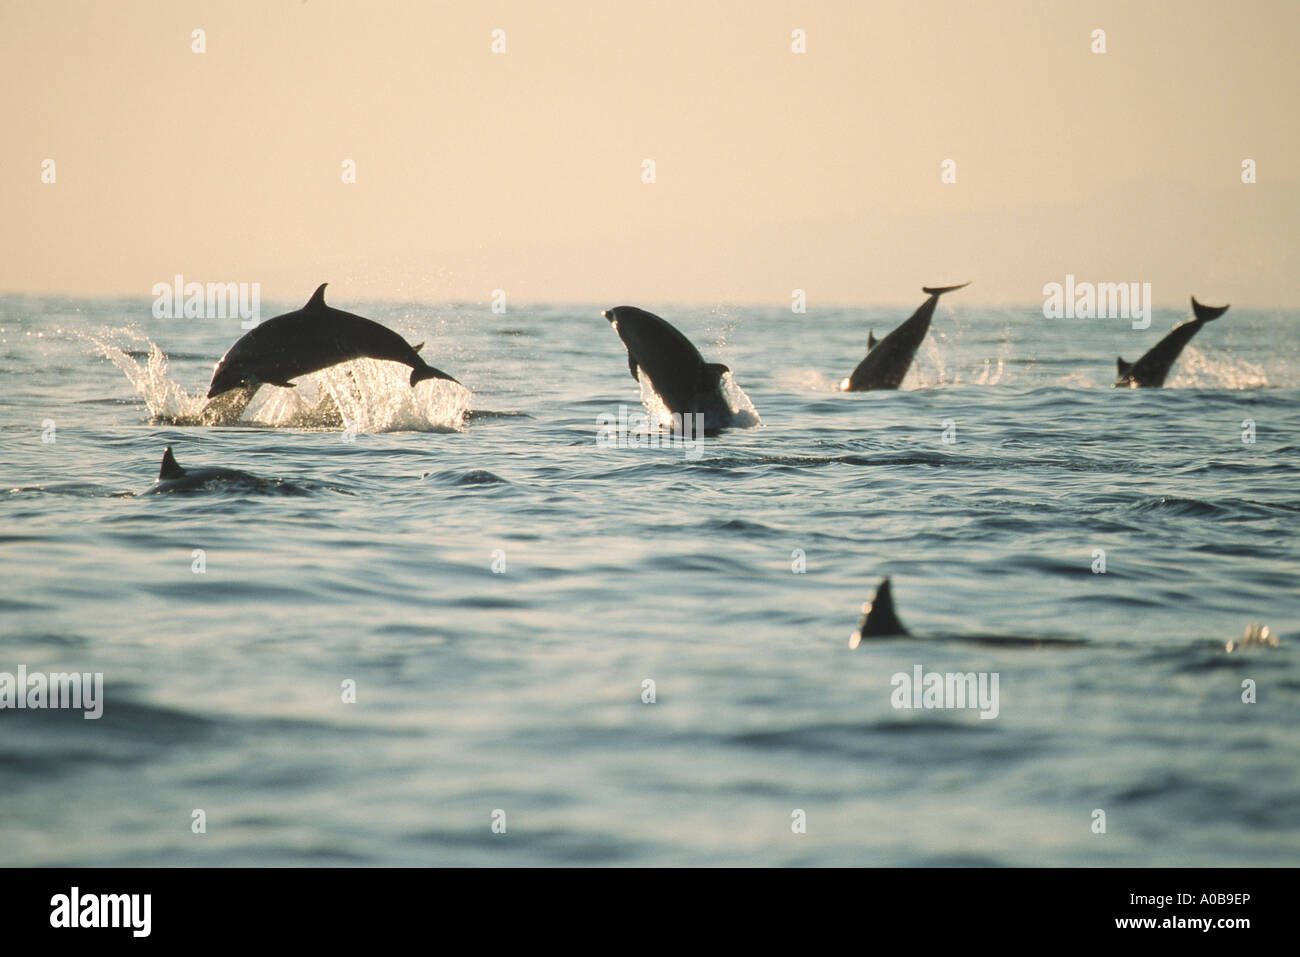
column 500, row 587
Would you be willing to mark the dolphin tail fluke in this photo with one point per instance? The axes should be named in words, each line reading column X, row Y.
column 426, row 371
column 1206, row 313
column 1122, row 367
column 940, row 290
column 879, row 619
column 170, row 470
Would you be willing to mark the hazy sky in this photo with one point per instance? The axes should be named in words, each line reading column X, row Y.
column 775, row 170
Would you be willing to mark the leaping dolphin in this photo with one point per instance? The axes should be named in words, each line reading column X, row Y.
column 1150, row 371
column 888, row 359
column 314, row 337
column 683, row 380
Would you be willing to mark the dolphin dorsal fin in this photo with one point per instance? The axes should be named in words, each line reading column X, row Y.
column 317, row 300
column 417, row 348
column 871, row 339
column 1206, row 313
column 878, row 617
column 1122, row 366
column 170, row 470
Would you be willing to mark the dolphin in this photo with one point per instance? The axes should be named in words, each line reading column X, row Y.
column 888, row 359
column 683, row 380
column 1151, row 369
column 315, row 337
column 173, row 478
column 879, row 620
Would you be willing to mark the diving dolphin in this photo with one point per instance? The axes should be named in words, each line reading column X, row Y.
column 315, row 337
column 1151, row 369
column 686, row 383
column 888, row 359
column 173, row 478
column 879, row 620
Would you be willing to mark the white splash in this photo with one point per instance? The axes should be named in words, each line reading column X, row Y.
column 728, row 408
column 365, row 395
column 1197, row 369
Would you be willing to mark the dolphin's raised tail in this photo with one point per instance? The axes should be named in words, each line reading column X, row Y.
column 879, row 620
column 940, row 290
column 1206, row 313
column 426, row 371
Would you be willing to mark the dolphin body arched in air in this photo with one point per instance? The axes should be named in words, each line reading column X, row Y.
column 314, row 337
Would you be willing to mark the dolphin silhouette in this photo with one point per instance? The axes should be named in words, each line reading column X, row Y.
column 173, row 478
column 888, row 359
column 879, row 620
column 314, row 337
column 1150, row 371
column 675, row 368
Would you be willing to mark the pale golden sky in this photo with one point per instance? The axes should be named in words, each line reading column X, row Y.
column 775, row 171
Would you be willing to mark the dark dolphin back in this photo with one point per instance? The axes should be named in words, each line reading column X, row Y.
column 674, row 366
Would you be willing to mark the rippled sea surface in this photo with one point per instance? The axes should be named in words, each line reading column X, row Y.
column 500, row 588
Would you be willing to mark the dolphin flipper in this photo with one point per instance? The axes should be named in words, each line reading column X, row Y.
column 631, row 367
column 1206, row 313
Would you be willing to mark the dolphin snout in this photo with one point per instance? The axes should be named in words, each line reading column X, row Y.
column 607, row 314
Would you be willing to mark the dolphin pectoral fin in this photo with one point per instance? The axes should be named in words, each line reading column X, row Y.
column 170, row 470
column 871, row 339
column 940, row 290
column 282, row 383
column 631, row 367
column 426, row 371
column 1206, row 313
column 317, row 300
column 1122, row 367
